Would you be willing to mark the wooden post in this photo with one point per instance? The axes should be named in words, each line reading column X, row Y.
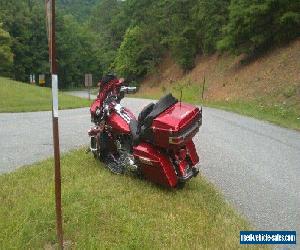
column 50, row 4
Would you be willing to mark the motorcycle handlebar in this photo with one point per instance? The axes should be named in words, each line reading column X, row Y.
column 106, row 107
column 128, row 90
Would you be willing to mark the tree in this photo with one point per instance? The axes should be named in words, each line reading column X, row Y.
column 137, row 54
column 80, row 9
column 210, row 17
column 76, row 52
column 6, row 55
column 16, row 19
column 180, row 34
column 96, row 36
column 108, row 23
column 254, row 26
column 38, row 42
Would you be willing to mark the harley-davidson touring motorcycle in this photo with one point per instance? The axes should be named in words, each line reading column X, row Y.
column 157, row 145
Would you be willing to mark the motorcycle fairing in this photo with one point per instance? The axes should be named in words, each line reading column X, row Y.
column 117, row 123
column 95, row 105
column 119, row 119
column 155, row 166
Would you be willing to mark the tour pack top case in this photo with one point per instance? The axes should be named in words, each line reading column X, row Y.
column 171, row 123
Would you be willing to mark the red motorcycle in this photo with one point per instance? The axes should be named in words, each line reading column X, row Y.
column 158, row 145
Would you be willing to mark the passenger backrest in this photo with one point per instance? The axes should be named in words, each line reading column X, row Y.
column 163, row 104
column 146, row 110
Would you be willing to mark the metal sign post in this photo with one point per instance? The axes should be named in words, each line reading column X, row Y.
column 42, row 80
column 50, row 15
column 88, row 82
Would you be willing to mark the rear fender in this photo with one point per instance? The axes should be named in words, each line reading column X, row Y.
column 192, row 152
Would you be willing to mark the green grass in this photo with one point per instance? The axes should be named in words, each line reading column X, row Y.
column 21, row 97
column 281, row 115
column 261, row 108
column 102, row 210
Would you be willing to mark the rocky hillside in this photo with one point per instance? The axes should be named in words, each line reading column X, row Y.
column 274, row 77
column 267, row 88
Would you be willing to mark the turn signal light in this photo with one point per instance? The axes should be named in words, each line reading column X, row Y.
column 176, row 140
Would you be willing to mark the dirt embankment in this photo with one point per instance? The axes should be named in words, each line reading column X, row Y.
column 272, row 78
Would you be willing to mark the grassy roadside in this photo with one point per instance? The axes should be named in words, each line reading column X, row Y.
column 110, row 211
column 19, row 97
column 260, row 108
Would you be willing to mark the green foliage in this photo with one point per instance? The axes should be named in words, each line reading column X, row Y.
column 210, row 17
column 6, row 56
column 254, row 26
column 97, row 36
column 178, row 32
column 76, row 52
column 16, row 20
column 76, row 45
column 80, row 9
column 182, row 52
column 109, row 23
column 137, row 54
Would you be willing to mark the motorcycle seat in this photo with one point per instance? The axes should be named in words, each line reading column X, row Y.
column 141, row 128
column 146, row 110
column 133, row 125
column 144, row 113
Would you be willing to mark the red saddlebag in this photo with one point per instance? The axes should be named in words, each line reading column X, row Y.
column 155, row 166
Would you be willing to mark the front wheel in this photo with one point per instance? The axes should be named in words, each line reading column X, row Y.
column 97, row 147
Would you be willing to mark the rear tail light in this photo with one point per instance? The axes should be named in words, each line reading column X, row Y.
column 182, row 153
column 189, row 133
column 182, row 168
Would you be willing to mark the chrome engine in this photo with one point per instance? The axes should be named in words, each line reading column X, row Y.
column 125, row 159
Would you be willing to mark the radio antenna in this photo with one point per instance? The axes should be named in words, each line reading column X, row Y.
column 180, row 96
column 203, row 87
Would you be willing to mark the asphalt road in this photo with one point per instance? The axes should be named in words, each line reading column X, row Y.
column 254, row 164
column 27, row 137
